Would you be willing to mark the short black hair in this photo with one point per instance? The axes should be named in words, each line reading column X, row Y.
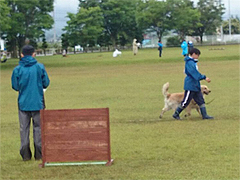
column 27, row 50
column 195, row 51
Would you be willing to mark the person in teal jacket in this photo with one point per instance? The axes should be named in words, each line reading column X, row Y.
column 29, row 78
column 160, row 47
column 184, row 47
column 192, row 85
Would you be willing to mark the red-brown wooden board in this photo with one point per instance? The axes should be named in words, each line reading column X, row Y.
column 75, row 135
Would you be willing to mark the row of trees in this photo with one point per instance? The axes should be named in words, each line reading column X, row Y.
column 108, row 22
column 21, row 20
column 235, row 26
column 112, row 22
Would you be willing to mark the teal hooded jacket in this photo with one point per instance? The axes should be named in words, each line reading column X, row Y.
column 193, row 76
column 184, row 47
column 29, row 78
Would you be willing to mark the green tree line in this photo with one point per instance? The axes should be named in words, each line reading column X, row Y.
column 24, row 19
column 118, row 22
column 109, row 22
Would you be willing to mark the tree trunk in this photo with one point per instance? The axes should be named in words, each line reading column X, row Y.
column 113, row 42
column 13, row 45
column 159, row 34
column 21, row 43
column 14, row 52
column 201, row 38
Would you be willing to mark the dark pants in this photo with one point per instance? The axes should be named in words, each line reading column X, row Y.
column 25, row 121
column 160, row 51
column 189, row 95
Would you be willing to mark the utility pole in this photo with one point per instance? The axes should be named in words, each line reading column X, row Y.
column 221, row 28
column 229, row 15
column 54, row 28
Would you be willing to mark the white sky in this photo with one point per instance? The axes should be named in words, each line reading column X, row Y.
column 234, row 8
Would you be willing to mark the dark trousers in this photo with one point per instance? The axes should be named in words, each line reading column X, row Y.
column 25, row 121
column 160, row 52
column 189, row 95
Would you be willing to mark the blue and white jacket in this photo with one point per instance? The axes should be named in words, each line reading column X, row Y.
column 193, row 76
column 160, row 45
column 184, row 47
column 29, row 78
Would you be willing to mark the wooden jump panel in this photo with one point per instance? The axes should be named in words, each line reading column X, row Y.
column 75, row 135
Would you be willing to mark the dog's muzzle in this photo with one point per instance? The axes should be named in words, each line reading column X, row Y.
column 206, row 92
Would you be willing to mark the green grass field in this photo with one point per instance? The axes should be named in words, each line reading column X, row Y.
column 142, row 145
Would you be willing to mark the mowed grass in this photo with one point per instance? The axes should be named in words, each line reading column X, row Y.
column 142, row 145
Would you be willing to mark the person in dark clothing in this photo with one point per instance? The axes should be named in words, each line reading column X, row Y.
column 192, row 85
column 29, row 78
column 160, row 47
column 190, row 46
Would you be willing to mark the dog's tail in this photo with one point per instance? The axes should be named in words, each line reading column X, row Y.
column 165, row 90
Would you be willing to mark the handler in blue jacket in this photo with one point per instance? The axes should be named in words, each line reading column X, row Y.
column 29, row 78
column 192, row 85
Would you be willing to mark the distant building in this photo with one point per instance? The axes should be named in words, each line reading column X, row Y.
column 2, row 44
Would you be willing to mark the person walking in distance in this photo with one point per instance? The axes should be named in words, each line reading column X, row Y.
column 160, row 47
column 135, row 47
column 184, row 47
column 190, row 46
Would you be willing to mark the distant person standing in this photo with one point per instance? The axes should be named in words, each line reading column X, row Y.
column 29, row 78
column 64, row 53
column 160, row 47
column 135, row 47
column 190, row 46
column 184, row 47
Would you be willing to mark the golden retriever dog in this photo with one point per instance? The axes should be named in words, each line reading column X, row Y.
column 173, row 100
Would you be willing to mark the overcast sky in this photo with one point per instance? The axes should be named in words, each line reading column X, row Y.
column 64, row 6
